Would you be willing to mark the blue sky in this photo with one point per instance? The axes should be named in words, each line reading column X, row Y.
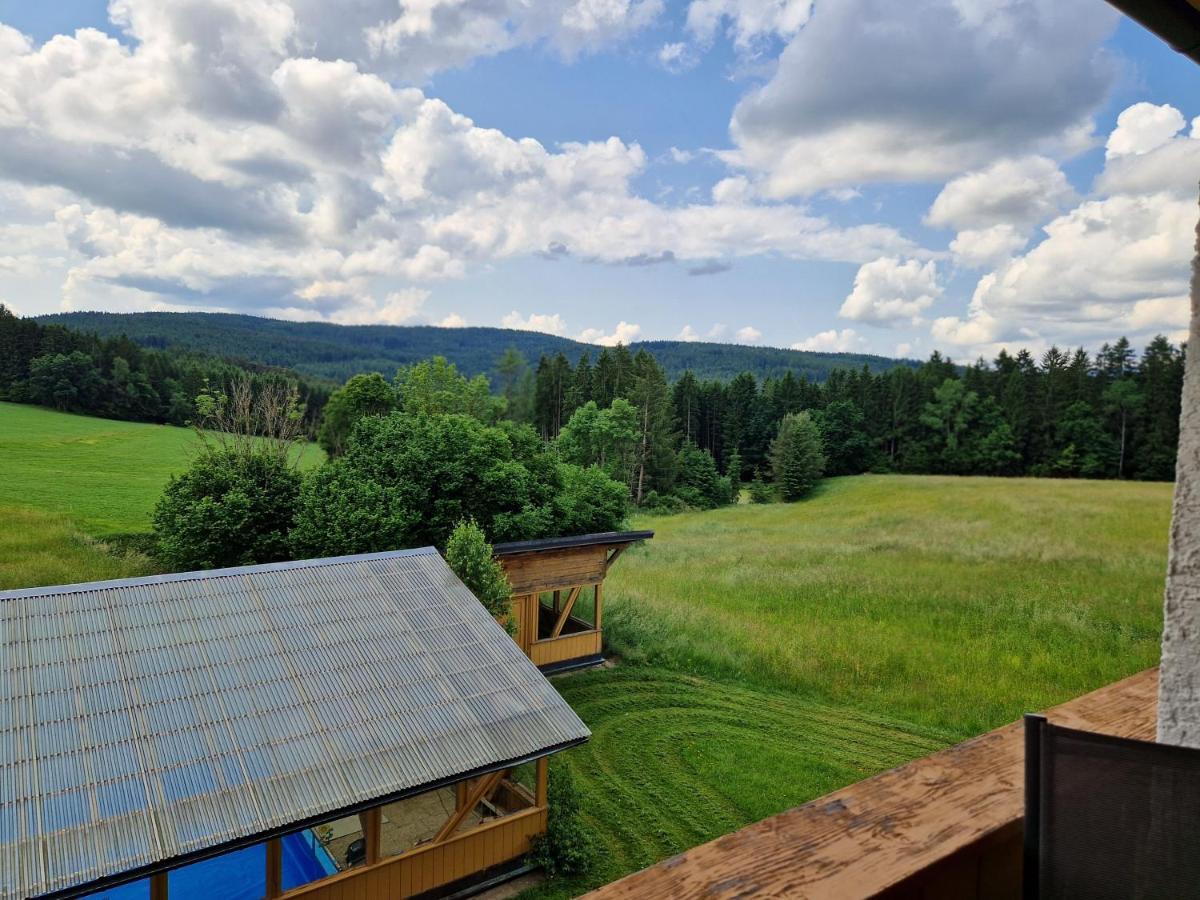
column 762, row 172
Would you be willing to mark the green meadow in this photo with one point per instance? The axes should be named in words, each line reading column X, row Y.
column 765, row 655
column 103, row 474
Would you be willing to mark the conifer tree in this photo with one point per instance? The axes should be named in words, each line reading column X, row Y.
column 797, row 458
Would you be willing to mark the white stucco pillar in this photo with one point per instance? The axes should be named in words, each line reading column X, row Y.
column 1179, row 679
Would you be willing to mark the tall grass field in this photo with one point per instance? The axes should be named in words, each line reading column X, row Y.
column 765, row 655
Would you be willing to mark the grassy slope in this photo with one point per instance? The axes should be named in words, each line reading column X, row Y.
column 953, row 602
column 105, row 475
column 773, row 654
column 39, row 548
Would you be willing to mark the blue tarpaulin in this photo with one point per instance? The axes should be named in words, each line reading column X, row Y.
column 240, row 875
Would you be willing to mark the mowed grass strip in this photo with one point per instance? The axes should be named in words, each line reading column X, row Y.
column 955, row 603
column 106, row 475
column 39, row 548
column 676, row 760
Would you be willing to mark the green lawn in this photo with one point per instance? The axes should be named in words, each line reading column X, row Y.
column 105, row 475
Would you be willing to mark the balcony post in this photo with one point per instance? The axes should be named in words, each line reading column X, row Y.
column 1179, row 679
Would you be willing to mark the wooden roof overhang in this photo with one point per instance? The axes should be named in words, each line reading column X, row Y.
column 604, row 538
column 554, row 563
column 1175, row 21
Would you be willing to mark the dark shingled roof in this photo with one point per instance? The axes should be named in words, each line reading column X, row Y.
column 152, row 720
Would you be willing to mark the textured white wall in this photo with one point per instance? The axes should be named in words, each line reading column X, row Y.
column 1179, row 684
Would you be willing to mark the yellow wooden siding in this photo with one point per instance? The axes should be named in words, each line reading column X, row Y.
column 568, row 646
column 424, row 868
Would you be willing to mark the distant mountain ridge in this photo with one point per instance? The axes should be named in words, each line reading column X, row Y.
column 336, row 352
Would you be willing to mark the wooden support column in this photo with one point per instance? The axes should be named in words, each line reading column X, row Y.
column 274, row 868
column 481, row 789
column 158, row 886
column 460, row 794
column 599, row 614
column 371, row 821
column 542, row 793
column 566, row 611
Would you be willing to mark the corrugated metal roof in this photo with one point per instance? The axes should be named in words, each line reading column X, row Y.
column 148, row 719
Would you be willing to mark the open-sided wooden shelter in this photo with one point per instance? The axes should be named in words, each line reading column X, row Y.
column 347, row 727
column 558, row 594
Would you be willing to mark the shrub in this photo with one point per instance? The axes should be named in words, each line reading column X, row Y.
column 589, row 501
column 362, row 395
column 697, row 481
column 230, row 508
column 406, row 480
column 469, row 555
column 567, row 847
column 760, row 491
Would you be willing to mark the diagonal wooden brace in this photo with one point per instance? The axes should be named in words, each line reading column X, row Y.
column 482, row 788
column 566, row 611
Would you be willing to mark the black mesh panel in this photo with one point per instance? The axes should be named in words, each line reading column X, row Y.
column 1118, row 818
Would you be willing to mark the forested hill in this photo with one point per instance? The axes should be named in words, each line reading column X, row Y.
column 339, row 351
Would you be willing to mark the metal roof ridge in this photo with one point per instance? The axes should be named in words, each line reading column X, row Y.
column 172, row 577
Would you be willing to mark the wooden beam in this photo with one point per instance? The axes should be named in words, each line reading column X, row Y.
column 483, row 787
column 566, row 611
column 372, row 820
column 158, row 886
column 274, row 868
column 599, row 604
column 612, row 557
column 542, row 794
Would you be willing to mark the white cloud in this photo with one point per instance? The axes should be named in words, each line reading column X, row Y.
column 747, row 21
column 412, row 40
column 688, row 334
column 889, row 292
column 676, row 57
column 1143, row 127
column 832, row 341
column 748, row 335
column 903, row 349
column 454, row 320
column 849, row 103
column 1118, row 262
column 976, row 248
column 716, row 332
column 236, row 170
column 544, row 322
column 1018, row 192
column 398, row 308
column 624, row 333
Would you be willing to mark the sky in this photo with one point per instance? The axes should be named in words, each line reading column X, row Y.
column 853, row 175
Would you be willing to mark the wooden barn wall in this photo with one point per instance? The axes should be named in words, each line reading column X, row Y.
column 551, row 570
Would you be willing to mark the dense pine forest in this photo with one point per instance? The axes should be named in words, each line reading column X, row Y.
column 73, row 371
column 1113, row 415
column 691, row 440
column 336, row 352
